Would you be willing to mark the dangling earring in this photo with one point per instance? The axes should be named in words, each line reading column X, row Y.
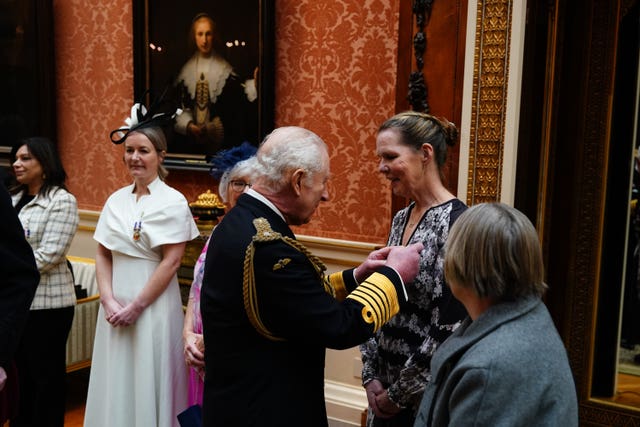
column 44, row 176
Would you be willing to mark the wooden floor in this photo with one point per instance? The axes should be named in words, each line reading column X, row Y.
column 77, row 383
column 628, row 392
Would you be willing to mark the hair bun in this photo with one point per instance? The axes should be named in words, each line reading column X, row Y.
column 449, row 130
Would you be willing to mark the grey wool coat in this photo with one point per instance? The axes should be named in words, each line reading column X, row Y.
column 509, row 368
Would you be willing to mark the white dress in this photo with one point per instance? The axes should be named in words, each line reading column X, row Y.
column 138, row 376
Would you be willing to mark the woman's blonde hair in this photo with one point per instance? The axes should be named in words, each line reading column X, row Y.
column 494, row 249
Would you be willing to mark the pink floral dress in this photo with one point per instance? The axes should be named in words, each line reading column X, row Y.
column 196, row 383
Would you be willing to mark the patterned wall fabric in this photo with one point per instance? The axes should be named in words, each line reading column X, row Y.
column 335, row 74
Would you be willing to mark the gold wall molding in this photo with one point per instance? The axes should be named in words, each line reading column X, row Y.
column 489, row 100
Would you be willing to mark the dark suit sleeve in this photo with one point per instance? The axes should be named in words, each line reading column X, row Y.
column 340, row 284
column 294, row 304
column 20, row 278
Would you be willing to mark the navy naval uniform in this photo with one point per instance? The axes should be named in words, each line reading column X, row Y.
column 269, row 312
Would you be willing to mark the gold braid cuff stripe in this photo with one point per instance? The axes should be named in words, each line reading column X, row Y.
column 264, row 233
column 379, row 298
column 337, row 286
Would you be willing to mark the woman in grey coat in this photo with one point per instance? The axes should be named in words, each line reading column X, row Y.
column 506, row 364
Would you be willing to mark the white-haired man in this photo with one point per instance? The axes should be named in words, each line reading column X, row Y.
column 268, row 310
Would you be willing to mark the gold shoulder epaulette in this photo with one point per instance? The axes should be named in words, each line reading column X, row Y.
column 264, row 233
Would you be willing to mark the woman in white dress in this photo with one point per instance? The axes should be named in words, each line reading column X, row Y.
column 138, row 377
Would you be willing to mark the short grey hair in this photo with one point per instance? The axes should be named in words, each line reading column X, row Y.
column 243, row 169
column 289, row 148
column 494, row 249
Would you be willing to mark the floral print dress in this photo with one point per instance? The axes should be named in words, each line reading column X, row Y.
column 400, row 353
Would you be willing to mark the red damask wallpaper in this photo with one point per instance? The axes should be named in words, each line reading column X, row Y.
column 335, row 74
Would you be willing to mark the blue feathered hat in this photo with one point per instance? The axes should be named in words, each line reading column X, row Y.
column 224, row 160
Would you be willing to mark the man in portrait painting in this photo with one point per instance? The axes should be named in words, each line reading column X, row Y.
column 218, row 105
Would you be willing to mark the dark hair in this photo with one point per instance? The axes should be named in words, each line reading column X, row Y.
column 53, row 173
column 420, row 128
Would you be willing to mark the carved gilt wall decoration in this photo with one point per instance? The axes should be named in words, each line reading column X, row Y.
column 417, row 86
column 489, row 97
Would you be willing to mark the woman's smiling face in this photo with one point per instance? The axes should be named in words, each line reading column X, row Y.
column 399, row 163
column 27, row 168
column 141, row 157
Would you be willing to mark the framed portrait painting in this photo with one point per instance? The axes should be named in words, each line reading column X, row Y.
column 215, row 59
column 27, row 76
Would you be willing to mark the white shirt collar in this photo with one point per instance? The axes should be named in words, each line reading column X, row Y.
column 266, row 201
column 152, row 186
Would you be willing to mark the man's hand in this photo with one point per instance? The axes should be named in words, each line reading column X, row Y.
column 405, row 260
column 374, row 261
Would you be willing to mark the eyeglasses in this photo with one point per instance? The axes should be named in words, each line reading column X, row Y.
column 238, row 185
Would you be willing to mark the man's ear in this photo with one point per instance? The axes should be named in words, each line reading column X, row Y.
column 296, row 181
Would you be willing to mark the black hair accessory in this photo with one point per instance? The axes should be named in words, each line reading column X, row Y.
column 160, row 114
